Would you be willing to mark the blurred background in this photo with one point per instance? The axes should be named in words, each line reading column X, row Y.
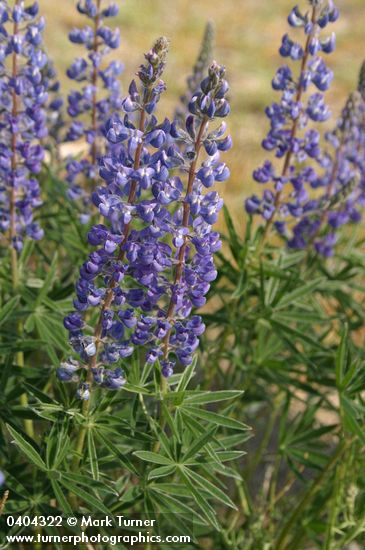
column 248, row 35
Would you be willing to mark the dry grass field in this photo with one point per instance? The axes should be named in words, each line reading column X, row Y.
column 248, row 33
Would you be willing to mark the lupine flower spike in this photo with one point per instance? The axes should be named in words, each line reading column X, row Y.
column 341, row 184
column 200, row 68
column 291, row 135
column 22, row 126
column 154, row 261
column 126, row 176
column 100, row 94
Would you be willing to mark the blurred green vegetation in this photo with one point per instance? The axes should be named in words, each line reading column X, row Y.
column 248, row 34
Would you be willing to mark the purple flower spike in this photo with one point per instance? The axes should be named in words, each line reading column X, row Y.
column 99, row 95
column 291, row 135
column 23, row 126
column 341, row 183
column 153, row 262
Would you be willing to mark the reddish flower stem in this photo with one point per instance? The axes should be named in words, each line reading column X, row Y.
column 94, row 81
column 127, row 228
column 185, row 223
column 13, row 193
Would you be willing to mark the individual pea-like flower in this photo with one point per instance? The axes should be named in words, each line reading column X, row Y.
column 83, row 391
column 153, row 262
column 2, row 478
column 67, row 370
column 292, row 135
column 90, row 106
column 201, row 65
column 23, row 120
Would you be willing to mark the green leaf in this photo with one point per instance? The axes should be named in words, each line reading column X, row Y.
column 61, row 499
column 156, row 458
column 47, row 332
column 27, row 449
column 7, row 310
column 201, row 398
column 217, row 493
column 161, row 471
column 48, row 282
column 285, row 331
column 92, row 502
column 199, row 443
column 205, row 507
column 187, row 376
column 303, row 290
column 350, row 419
column 102, row 487
column 93, row 458
column 135, row 389
column 116, row 452
column 216, row 418
column 234, row 241
column 58, row 444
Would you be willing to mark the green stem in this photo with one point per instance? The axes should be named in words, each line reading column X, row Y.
column 79, row 448
column 28, row 424
column 164, row 388
column 281, row 542
column 80, row 442
column 256, row 460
